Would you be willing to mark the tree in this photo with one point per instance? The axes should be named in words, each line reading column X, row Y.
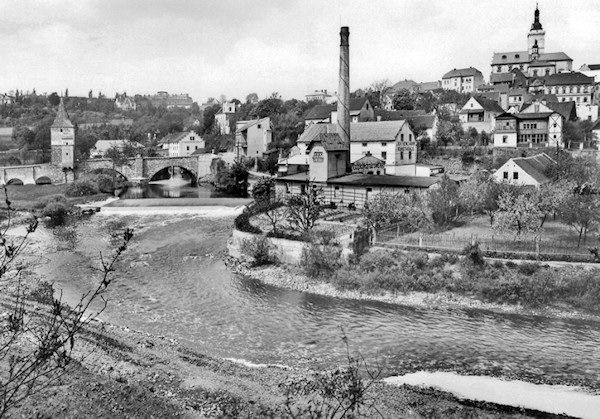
column 36, row 346
column 53, row 99
column 408, row 211
column 449, row 132
column 23, row 136
column 404, row 100
column 444, row 202
column 117, row 158
column 582, row 211
column 252, row 98
column 230, row 178
column 518, row 214
column 381, row 87
column 304, row 209
column 479, row 194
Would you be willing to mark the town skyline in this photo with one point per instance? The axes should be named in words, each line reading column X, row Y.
column 231, row 49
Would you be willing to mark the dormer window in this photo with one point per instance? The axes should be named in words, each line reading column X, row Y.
column 504, row 57
column 517, row 55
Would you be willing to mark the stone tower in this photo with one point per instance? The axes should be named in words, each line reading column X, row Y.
column 343, row 105
column 536, row 34
column 62, row 139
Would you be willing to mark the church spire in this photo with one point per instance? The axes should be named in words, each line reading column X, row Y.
column 62, row 118
column 537, row 26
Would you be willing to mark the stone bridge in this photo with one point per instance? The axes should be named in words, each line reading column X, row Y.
column 33, row 173
column 138, row 167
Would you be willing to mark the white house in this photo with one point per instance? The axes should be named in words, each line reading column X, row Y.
column 525, row 170
column 480, row 113
column 182, row 143
column 222, row 118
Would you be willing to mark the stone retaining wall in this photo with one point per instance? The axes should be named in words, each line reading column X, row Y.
column 286, row 251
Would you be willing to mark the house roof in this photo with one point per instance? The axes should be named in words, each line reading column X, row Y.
column 251, row 123
column 319, row 112
column 462, row 72
column 324, row 111
column 590, row 67
column 298, row 159
column 429, row 85
column 566, row 109
column 486, row 104
column 62, row 117
column 360, row 132
column 568, row 78
column 501, row 78
column 522, row 57
column 386, row 180
column 368, row 161
column 404, row 84
column 331, row 141
column 174, row 137
column 535, row 166
column 420, row 121
column 397, row 115
column 534, row 115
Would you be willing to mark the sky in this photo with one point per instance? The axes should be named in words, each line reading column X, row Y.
column 233, row 48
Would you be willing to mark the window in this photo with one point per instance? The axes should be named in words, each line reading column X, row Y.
column 547, row 72
column 578, row 89
column 504, row 139
column 517, row 55
column 409, row 137
column 409, row 155
column 499, row 69
column 505, row 175
column 515, row 175
column 364, row 144
column 258, row 126
column 402, row 155
column 384, row 155
column 401, row 137
column 585, row 99
column 383, row 144
column 192, row 138
column 554, row 125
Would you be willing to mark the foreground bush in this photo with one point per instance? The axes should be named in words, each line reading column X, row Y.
column 42, row 202
column 57, row 211
column 321, row 260
column 258, row 248
column 105, row 183
column 82, row 187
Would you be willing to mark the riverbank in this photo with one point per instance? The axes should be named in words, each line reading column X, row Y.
column 291, row 277
column 126, row 373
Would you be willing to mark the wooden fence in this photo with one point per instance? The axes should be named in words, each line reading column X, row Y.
column 498, row 245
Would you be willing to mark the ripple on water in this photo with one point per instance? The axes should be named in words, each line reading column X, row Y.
column 181, row 292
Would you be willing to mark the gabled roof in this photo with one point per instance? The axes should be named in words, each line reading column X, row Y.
column 590, row 67
column 319, row 112
column 386, row 131
column 462, row 72
column 386, row 180
column 486, row 104
column 596, row 126
column 313, row 131
column 331, row 141
column 535, row 166
column 324, row 111
column 555, row 56
column 368, row 161
column 62, row 117
column 429, row 85
column 533, row 115
column 568, row 78
column 253, row 122
column 568, row 110
column 174, row 137
column 420, row 121
column 501, row 78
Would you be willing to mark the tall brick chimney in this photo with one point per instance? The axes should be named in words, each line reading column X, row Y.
column 343, row 105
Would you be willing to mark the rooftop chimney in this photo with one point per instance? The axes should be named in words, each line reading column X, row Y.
column 343, row 106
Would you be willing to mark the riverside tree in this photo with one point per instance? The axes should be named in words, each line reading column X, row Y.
column 408, row 211
column 36, row 346
column 519, row 214
column 304, row 209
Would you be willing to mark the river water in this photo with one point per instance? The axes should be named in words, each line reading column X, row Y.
column 172, row 282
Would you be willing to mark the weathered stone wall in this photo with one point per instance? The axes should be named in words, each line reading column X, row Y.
column 30, row 174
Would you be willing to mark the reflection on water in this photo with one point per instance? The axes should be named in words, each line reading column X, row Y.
column 166, row 189
column 172, row 282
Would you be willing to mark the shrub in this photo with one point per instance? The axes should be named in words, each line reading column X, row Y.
column 320, row 260
column 43, row 293
column 260, row 249
column 473, row 254
column 105, row 183
column 81, row 188
column 57, row 211
column 528, row 268
column 42, row 202
column 374, row 261
column 242, row 222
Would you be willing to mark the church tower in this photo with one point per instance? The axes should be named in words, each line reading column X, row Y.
column 62, row 139
column 536, row 34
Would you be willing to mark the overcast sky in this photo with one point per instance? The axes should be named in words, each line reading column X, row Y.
column 208, row 48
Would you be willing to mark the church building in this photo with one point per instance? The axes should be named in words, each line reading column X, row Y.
column 535, row 61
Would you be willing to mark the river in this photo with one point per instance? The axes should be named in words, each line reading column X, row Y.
column 172, row 282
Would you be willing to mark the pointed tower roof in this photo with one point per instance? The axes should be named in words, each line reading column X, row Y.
column 536, row 26
column 62, row 118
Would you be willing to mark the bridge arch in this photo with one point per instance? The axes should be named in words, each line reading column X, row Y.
column 108, row 171
column 175, row 171
column 43, row 180
column 15, row 181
